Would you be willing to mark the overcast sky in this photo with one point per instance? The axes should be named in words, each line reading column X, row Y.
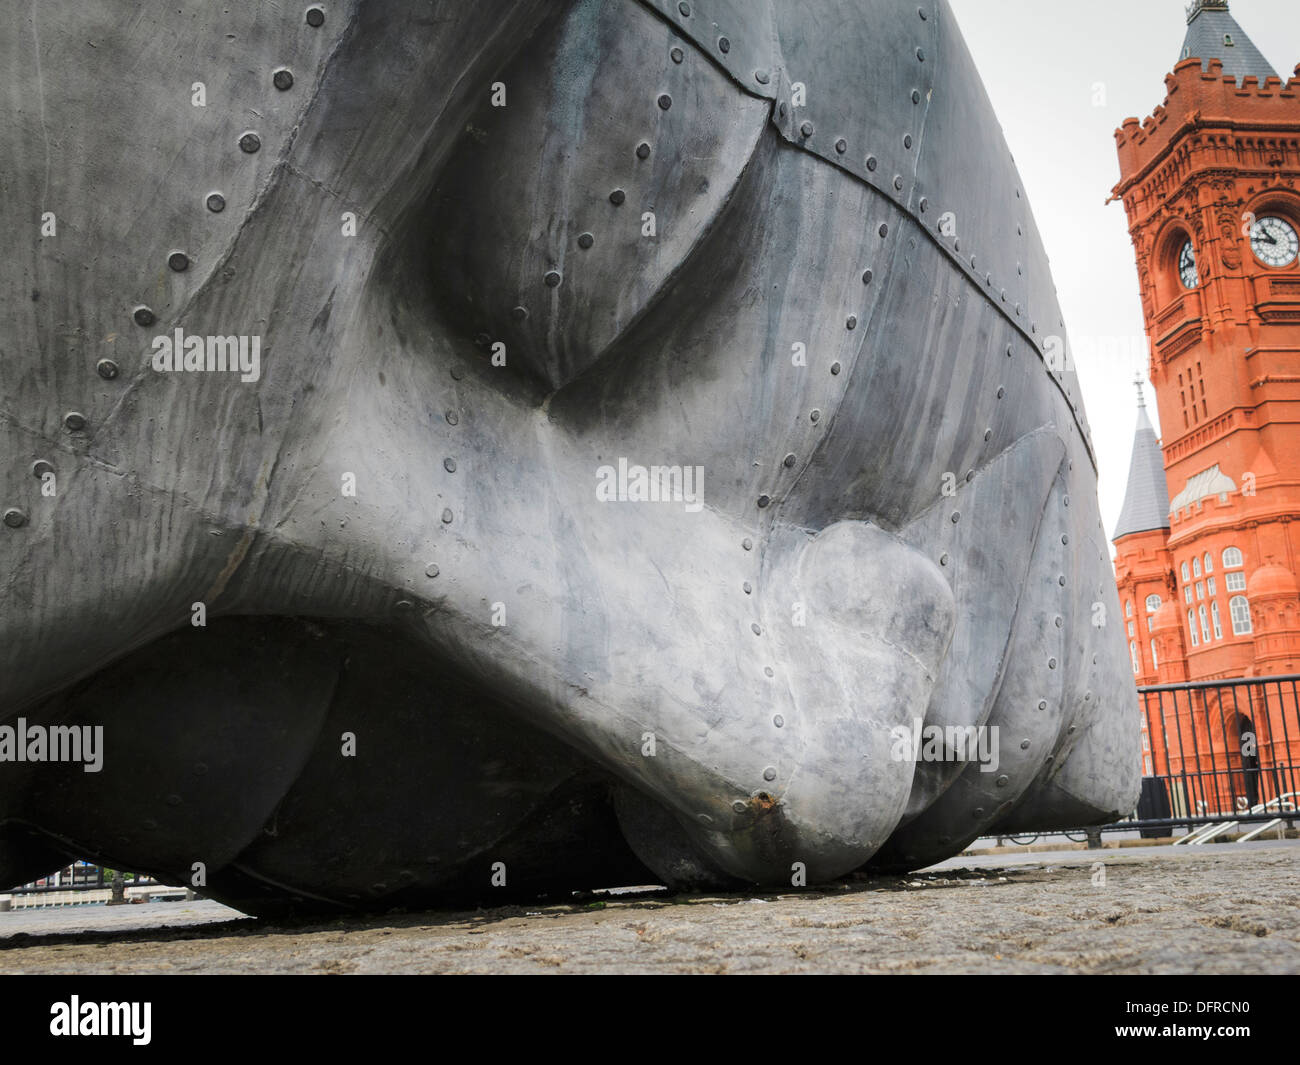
column 1043, row 62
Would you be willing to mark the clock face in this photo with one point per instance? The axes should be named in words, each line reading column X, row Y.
column 1187, row 266
column 1274, row 241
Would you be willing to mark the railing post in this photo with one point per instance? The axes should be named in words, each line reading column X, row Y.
column 119, row 889
column 1094, row 838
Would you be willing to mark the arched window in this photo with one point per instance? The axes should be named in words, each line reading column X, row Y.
column 1191, row 627
column 1196, row 567
column 1153, row 603
column 1209, row 563
column 1214, row 617
column 1133, row 654
column 1200, row 589
column 1232, row 558
column 1185, row 571
column 1240, row 611
column 1128, row 609
column 1155, row 662
column 1205, row 625
column 1210, row 587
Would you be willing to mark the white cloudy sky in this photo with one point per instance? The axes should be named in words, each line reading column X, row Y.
column 1041, row 61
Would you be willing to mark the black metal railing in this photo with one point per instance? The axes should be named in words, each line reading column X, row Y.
column 1219, row 750
column 80, row 876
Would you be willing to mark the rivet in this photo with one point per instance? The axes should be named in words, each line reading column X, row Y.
column 988, row 435
column 216, row 202
column 403, row 605
column 884, row 229
column 978, row 812
column 1003, row 781
column 249, row 143
column 15, row 518
column 956, row 517
column 778, row 721
column 282, row 79
column 851, row 322
column 1065, row 539
column 552, row 278
column 519, row 313
column 724, row 45
column 749, row 588
column 643, row 150
column 449, row 464
column 806, row 128
column 665, row 101
column 943, row 559
column 1001, row 392
column 762, row 77
column 431, row 570
column 920, row 54
column 452, row 417
column 1050, row 759
column 789, row 460
column 970, row 476
column 1010, row 351
column 871, row 162
column 907, row 140
column 764, row 500
column 1061, row 580
column 747, row 544
column 704, row 819
column 1072, row 729
column 585, row 240
column 178, row 261
column 617, row 197
column 898, row 183
column 1066, row 501
column 1024, row 745
column 1051, row 663
column 738, row 806
column 684, row 8
column 756, row 629
column 841, row 146
column 835, row 368
column 1059, row 621
column 41, row 467
column 457, row 373
column 677, row 54
column 1087, row 696
column 921, row 11
column 106, row 368
column 143, row 316
column 815, row 415
column 867, row 275
column 446, row 516
column 769, row 773
column 1004, row 295
column 916, row 96
column 315, row 16
column 924, row 204
column 74, row 422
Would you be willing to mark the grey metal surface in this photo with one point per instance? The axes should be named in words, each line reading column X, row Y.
column 462, row 312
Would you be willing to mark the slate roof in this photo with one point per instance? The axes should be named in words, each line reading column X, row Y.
column 1209, row 27
column 1146, row 500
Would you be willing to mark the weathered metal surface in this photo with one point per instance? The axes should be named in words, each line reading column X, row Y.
column 463, row 313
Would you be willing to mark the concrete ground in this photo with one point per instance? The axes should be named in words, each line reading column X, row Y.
column 1225, row 908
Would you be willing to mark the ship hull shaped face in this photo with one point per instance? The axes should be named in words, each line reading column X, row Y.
column 530, row 447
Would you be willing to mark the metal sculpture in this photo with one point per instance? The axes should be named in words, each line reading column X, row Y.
column 455, row 451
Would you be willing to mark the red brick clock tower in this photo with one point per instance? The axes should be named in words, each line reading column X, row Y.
column 1208, row 556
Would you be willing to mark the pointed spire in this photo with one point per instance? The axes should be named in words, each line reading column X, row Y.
column 1146, row 499
column 1212, row 33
